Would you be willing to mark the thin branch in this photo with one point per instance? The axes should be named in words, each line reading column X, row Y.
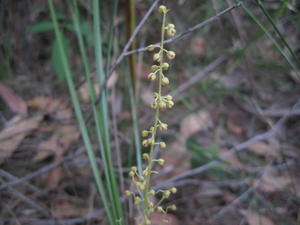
column 190, row 30
column 41, row 171
column 240, row 147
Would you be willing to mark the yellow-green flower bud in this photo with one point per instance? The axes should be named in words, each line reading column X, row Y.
column 147, row 222
column 170, row 104
column 154, row 68
column 134, row 169
column 156, row 57
column 165, row 81
column 173, row 190
column 170, row 26
column 151, row 48
column 169, row 97
column 166, row 194
column 163, row 126
column 160, row 209
column 162, row 9
column 145, row 156
column 154, row 105
column 171, row 54
column 145, row 172
column 165, row 66
column 131, row 174
column 162, row 105
column 145, row 133
column 145, row 143
column 173, row 207
column 151, row 76
column 162, row 144
column 152, row 192
column 150, row 141
column 137, row 200
column 128, row 193
column 171, row 32
column 141, row 179
column 161, row 162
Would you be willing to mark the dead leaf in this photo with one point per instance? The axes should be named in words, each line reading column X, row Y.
column 198, row 46
column 195, row 122
column 263, row 149
column 272, row 182
column 84, row 91
column 58, row 143
column 254, row 218
column 57, row 107
column 232, row 159
column 12, row 136
column 163, row 219
column 234, row 128
column 14, row 102
column 61, row 210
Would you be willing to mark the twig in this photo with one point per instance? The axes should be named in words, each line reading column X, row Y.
column 198, row 76
column 240, row 147
column 190, row 30
column 41, row 171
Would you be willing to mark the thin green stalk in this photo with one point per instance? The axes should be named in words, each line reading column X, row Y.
column 91, row 89
column 265, row 30
column 281, row 36
column 113, row 189
column 110, row 37
column 78, row 113
column 156, row 120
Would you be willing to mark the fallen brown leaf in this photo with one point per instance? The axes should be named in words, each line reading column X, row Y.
column 272, row 182
column 14, row 102
column 263, row 149
column 12, row 136
column 234, row 128
column 195, row 122
column 254, row 218
column 61, row 210
column 198, row 46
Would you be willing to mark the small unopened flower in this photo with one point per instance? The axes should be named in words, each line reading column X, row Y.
column 145, row 143
column 165, row 81
column 173, row 190
column 156, row 57
column 162, row 144
column 134, row 169
column 151, row 76
column 154, row 105
column 173, row 207
column 166, row 194
column 145, row 172
column 171, row 32
column 165, row 66
column 152, row 192
column 163, row 126
column 161, row 162
column 131, row 174
column 171, row 54
column 128, row 193
column 145, row 133
column 162, row 9
column 170, row 104
column 169, row 97
column 137, row 200
column 160, row 209
column 145, row 156
column 151, row 48
column 147, row 222
column 154, row 68
column 162, row 105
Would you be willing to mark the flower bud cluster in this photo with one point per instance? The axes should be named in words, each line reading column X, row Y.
column 143, row 194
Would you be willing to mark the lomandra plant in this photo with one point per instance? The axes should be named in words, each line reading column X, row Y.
column 141, row 191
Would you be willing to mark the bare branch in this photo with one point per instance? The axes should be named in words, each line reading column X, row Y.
column 191, row 29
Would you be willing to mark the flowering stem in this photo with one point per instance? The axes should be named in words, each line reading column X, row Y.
column 156, row 121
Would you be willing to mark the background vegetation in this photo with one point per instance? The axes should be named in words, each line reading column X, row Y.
column 233, row 146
